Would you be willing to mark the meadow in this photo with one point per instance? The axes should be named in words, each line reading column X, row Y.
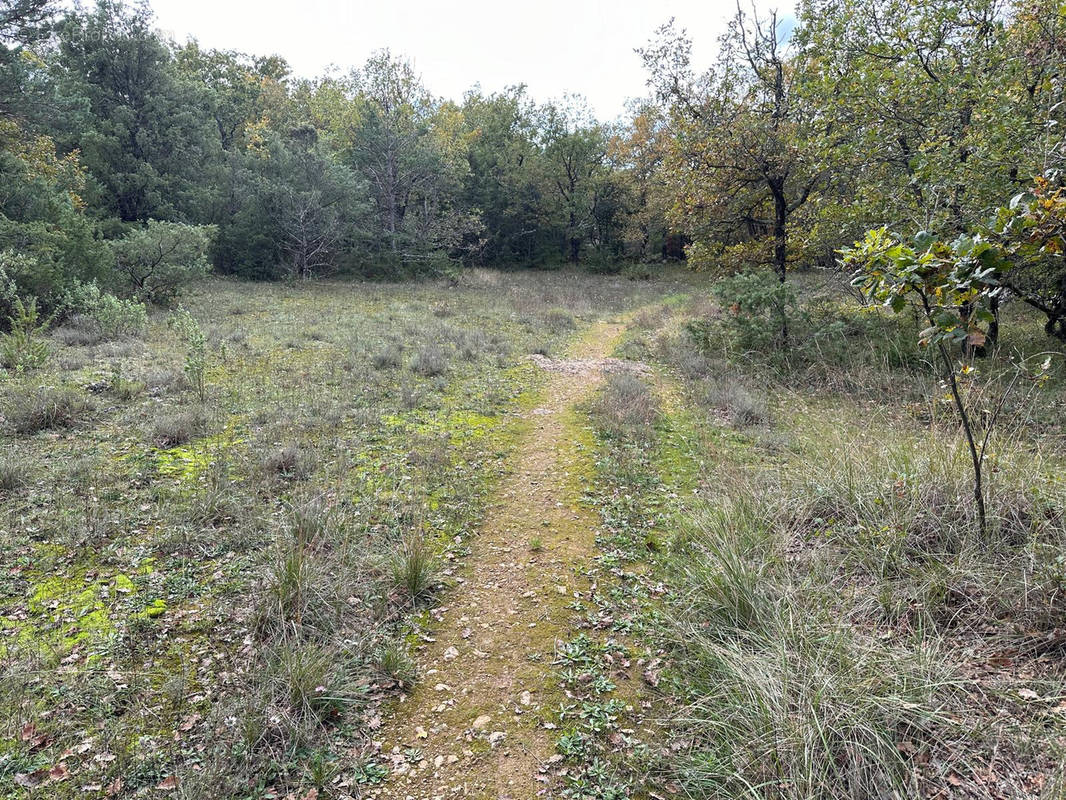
column 218, row 538
column 237, row 543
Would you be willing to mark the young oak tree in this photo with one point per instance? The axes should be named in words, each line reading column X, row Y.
column 943, row 108
column 746, row 152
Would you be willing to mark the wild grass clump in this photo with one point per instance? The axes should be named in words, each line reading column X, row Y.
column 13, row 475
column 472, row 344
column 123, row 388
column 216, row 502
column 413, row 568
column 558, row 320
column 45, row 408
column 788, row 694
column 393, row 663
column 430, row 361
column 389, row 356
column 287, row 463
column 297, row 592
column 729, row 397
column 78, row 331
column 303, row 674
column 627, row 408
column 173, row 430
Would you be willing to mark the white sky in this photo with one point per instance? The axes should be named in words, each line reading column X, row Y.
column 553, row 46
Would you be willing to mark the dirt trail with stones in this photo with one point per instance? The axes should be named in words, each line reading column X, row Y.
column 480, row 717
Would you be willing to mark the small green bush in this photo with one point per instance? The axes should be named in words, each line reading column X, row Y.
column 192, row 336
column 113, row 316
column 24, row 347
column 159, row 259
column 754, row 304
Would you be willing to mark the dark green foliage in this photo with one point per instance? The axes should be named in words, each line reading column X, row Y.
column 156, row 261
column 144, row 138
column 295, row 212
column 24, row 347
column 758, row 305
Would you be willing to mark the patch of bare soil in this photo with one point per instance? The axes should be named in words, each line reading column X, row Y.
column 589, row 366
column 475, row 727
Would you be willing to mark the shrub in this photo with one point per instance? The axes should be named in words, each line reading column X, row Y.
column 24, row 348
column 638, row 272
column 192, row 336
column 159, row 259
column 47, row 408
column 123, row 388
column 755, row 304
column 113, row 316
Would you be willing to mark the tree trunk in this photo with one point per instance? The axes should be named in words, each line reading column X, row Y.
column 575, row 242
column 781, row 255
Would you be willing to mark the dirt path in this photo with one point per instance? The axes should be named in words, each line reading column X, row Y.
column 475, row 726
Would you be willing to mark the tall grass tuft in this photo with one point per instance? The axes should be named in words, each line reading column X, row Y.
column 790, row 700
column 627, row 408
column 413, row 568
column 45, row 408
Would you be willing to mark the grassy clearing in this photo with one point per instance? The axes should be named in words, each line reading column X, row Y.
column 823, row 608
column 215, row 542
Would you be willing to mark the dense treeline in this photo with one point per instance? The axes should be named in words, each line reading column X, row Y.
column 917, row 117
column 105, row 126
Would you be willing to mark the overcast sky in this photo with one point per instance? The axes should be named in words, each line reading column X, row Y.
column 553, row 46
